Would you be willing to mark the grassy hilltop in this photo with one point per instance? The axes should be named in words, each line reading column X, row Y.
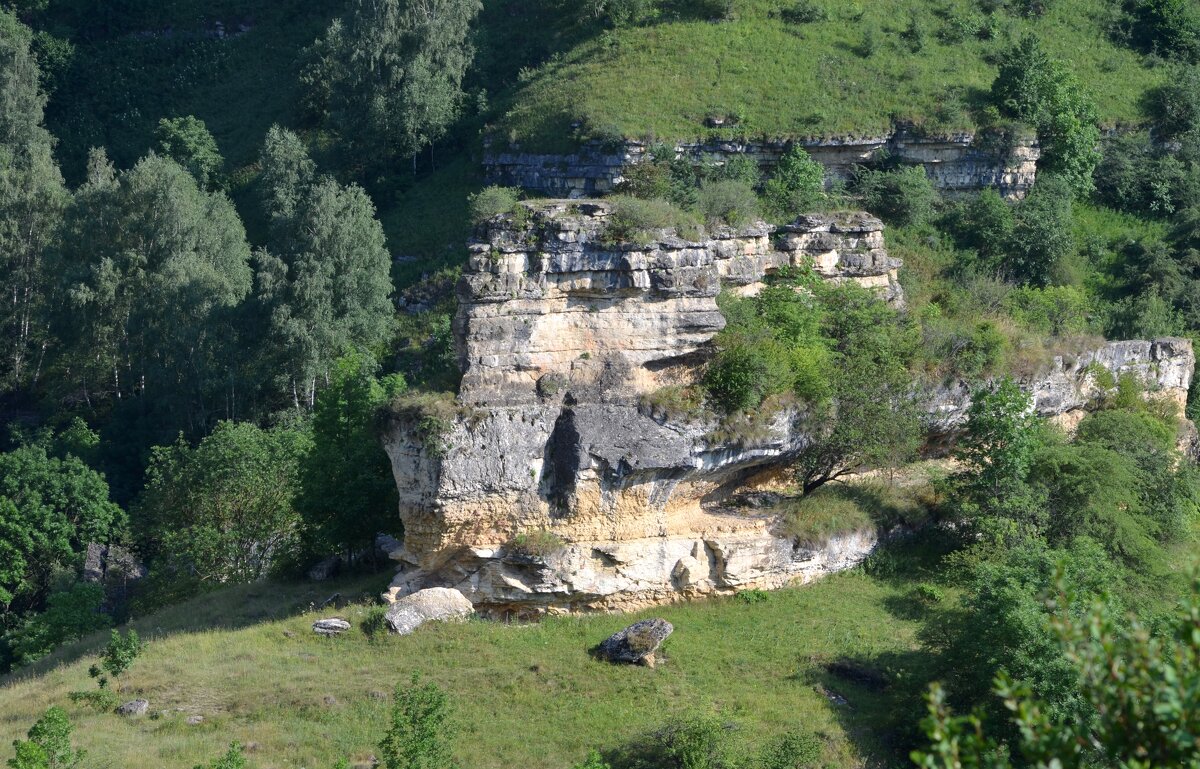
column 858, row 69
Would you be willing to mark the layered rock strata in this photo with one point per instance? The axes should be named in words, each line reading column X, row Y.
column 564, row 339
column 954, row 163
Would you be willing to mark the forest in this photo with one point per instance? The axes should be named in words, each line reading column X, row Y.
column 230, row 234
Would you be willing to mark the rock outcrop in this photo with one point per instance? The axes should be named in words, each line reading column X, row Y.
column 563, row 338
column 959, row 162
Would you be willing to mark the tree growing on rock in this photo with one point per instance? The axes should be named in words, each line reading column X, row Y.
column 1040, row 91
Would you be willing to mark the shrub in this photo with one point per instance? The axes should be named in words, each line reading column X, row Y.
column 493, row 201
column 231, row 759
column 1054, row 310
column 1167, row 27
column 419, row 729
column 739, row 377
column 804, row 12
column 797, row 187
column 1133, row 677
column 984, row 224
column 903, row 198
column 1137, row 177
column 120, row 653
column 48, row 745
column 689, row 742
column 915, row 34
column 729, row 202
column 374, row 624
column 633, row 220
column 928, row 594
column 70, row 615
column 1175, row 105
column 536, row 544
column 752, row 596
column 593, row 761
column 1042, row 236
column 870, row 43
column 793, row 750
column 739, row 168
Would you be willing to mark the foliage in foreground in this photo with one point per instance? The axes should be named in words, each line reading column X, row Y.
column 1141, row 685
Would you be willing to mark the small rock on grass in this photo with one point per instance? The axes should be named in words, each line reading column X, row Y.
column 330, row 627
column 134, row 708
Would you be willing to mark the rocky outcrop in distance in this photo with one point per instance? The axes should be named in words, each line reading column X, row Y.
column 955, row 163
column 563, row 339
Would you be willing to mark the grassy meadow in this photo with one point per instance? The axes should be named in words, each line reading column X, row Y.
column 526, row 695
column 854, row 73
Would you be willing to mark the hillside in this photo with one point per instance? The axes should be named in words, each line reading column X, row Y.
column 524, row 695
column 857, row 70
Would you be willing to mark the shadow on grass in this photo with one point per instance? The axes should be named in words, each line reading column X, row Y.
column 230, row 608
column 876, row 699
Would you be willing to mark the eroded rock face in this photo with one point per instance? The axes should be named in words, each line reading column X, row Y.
column 562, row 338
column 960, row 162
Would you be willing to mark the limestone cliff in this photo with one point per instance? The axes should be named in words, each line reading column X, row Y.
column 960, row 162
column 561, row 336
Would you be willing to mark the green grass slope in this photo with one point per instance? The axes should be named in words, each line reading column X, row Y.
column 524, row 695
column 818, row 79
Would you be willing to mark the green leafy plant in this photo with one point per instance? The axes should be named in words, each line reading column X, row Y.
column 493, row 201
column 419, row 729
column 536, row 544
column 48, row 745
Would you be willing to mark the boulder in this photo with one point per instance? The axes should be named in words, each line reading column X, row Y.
column 330, row 627
column 134, row 708
column 431, row 604
column 636, row 644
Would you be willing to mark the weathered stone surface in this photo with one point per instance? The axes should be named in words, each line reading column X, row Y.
column 562, row 338
column 958, row 162
column 430, row 605
column 637, row 643
column 330, row 627
column 1072, row 382
column 134, row 708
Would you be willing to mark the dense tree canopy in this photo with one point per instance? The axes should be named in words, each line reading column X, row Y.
column 389, row 75
column 151, row 268
column 325, row 279
column 222, row 511
column 32, row 197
